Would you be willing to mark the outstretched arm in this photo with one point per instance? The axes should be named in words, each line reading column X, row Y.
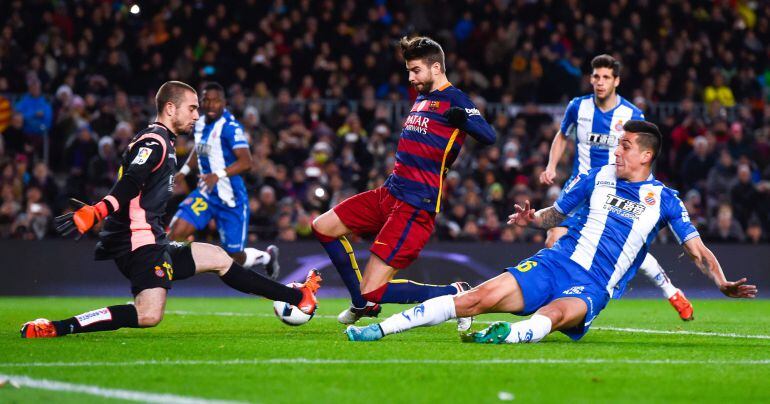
column 705, row 260
column 542, row 219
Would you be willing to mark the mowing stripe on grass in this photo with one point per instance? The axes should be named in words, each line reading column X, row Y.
column 596, row 328
column 130, row 395
column 310, row 361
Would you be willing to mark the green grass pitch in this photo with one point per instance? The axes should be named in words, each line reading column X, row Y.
column 235, row 349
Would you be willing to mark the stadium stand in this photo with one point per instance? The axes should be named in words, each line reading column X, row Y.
column 321, row 91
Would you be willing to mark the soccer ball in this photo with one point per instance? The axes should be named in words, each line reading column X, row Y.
column 291, row 314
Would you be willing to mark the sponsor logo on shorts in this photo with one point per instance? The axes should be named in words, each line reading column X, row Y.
column 377, row 242
column 159, row 272
column 94, row 317
column 575, row 290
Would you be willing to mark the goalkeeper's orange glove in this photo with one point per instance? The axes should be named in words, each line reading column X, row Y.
column 82, row 219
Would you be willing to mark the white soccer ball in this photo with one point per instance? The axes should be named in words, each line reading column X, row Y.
column 291, row 314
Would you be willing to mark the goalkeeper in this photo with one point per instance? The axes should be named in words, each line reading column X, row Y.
column 133, row 234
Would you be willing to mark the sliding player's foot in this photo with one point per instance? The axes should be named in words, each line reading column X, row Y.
column 40, row 328
column 494, row 334
column 353, row 314
column 371, row 332
column 463, row 323
column 682, row 306
column 273, row 268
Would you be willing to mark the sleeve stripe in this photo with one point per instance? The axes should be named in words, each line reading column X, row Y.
column 558, row 208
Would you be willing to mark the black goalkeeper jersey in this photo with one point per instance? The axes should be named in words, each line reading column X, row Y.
column 151, row 159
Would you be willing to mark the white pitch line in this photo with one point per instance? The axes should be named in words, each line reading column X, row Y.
column 596, row 328
column 130, row 395
column 307, row 361
column 682, row 332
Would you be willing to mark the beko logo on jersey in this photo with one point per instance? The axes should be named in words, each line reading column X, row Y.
column 472, row 111
column 624, row 207
column 416, row 123
column 602, row 140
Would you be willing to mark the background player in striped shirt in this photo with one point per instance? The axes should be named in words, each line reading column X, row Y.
column 621, row 208
column 402, row 212
column 595, row 122
column 221, row 154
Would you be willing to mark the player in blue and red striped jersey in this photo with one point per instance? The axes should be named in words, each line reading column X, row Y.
column 403, row 210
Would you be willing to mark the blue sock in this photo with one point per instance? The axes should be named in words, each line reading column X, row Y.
column 341, row 253
column 405, row 291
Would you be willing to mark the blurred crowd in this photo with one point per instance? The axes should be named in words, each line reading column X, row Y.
column 77, row 80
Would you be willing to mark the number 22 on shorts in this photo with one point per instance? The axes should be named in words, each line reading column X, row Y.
column 199, row 206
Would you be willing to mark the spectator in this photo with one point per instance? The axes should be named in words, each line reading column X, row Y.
column 725, row 228
column 37, row 112
column 744, row 196
column 33, row 223
column 697, row 164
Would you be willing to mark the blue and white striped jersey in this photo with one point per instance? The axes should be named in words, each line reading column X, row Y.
column 215, row 143
column 596, row 133
column 615, row 223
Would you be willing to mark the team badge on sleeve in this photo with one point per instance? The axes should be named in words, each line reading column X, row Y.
column 142, row 156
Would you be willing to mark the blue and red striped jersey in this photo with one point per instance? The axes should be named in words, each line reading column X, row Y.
column 428, row 146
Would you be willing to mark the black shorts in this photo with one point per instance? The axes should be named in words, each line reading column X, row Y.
column 157, row 265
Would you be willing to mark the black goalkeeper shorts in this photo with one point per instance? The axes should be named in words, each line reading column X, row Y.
column 156, row 266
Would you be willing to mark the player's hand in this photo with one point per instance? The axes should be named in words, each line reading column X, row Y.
column 547, row 176
column 738, row 289
column 522, row 216
column 456, row 116
column 209, row 180
column 81, row 219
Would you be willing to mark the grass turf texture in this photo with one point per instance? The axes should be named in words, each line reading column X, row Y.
column 188, row 333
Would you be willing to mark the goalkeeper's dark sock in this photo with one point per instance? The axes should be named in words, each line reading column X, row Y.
column 253, row 283
column 106, row 319
column 405, row 291
column 344, row 259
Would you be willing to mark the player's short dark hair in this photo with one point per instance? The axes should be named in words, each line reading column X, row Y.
column 608, row 62
column 173, row 92
column 648, row 135
column 213, row 85
column 422, row 47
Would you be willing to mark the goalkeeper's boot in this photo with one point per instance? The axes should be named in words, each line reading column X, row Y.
column 463, row 323
column 353, row 314
column 682, row 305
column 40, row 328
column 309, row 302
column 494, row 334
column 273, row 268
column 371, row 332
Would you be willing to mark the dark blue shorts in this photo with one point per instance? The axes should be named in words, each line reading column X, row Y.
column 548, row 276
column 232, row 223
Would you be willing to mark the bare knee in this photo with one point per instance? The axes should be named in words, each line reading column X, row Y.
column 473, row 302
column 210, row 258
column 329, row 225
column 149, row 316
column 221, row 260
column 555, row 314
